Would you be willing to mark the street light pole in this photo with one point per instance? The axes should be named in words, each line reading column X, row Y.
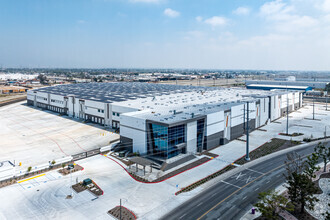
column 120, row 210
column 247, row 133
column 313, row 108
column 287, row 113
column 71, row 182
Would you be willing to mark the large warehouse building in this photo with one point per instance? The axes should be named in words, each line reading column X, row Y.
column 166, row 120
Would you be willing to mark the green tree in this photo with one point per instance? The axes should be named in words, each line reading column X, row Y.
column 310, row 166
column 29, row 169
column 42, row 78
column 271, row 203
column 323, row 152
column 301, row 188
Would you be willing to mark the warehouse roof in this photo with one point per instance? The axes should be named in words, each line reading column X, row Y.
column 173, row 108
column 117, row 92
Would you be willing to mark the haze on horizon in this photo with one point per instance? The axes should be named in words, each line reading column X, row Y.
column 209, row 34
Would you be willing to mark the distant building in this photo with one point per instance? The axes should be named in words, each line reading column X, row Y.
column 12, row 89
column 272, row 87
column 312, row 84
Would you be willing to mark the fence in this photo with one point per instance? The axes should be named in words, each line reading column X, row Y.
column 46, row 167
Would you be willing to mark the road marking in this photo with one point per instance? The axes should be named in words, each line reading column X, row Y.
column 256, row 189
column 230, row 184
column 183, row 216
column 259, row 177
column 244, row 197
column 268, row 181
column 200, row 204
column 237, row 176
column 254, row 171
column 249, row 179
column 21, row 181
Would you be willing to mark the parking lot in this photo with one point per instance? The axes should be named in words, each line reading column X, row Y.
column 33, row 136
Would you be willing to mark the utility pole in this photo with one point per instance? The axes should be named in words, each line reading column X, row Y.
column 247, row 133
column 287, row 113
column 313, row 108
column 71, row 183
column 120, row 210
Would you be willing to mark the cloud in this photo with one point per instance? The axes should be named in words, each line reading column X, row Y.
column 326, row 6
column 285, row 18
column 171, row 13
column 199, row 18
column 242, row 11
column 216, row 21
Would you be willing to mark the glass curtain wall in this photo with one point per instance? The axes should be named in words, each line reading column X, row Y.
column 200, row 135
column 164, row 140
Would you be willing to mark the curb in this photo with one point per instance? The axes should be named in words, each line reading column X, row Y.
column 254, row 162
column 178, row 192
column 156, row 181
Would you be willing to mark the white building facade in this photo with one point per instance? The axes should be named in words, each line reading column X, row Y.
column 166, row 120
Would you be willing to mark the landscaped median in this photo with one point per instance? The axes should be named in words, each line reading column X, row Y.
column 90, row 185
column 269, row 147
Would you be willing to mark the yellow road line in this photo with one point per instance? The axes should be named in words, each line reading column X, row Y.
column 242, row 188
column 21, row 181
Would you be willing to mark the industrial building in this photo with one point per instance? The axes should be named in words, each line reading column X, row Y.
column 12, row 89
column 272, row 87
column 313, row 84
column 166, row 120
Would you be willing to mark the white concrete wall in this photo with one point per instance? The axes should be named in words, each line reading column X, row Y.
column 93, row 107
column 119, row 109
column 214, row 123
column 139, row 138
column 275, row 107
column 237, row 115
column 40, row 96
column 57, row 98
column 264, row 108
column 6, row 171
column 192, row 137
column 134, row 128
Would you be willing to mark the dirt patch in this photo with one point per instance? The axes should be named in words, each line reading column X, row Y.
column 13, row 180
column 204, row 180
column 210, row 154
column 175, row 172
column 126, row 214
column 291, row 135
column 127, row 163
column 66, row 171
column 78, row 187
column 93, row 188
column 274, row 145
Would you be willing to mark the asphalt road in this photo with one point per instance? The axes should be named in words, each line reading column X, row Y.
column 234, row 196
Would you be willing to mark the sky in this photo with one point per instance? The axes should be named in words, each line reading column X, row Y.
column 203, row 34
